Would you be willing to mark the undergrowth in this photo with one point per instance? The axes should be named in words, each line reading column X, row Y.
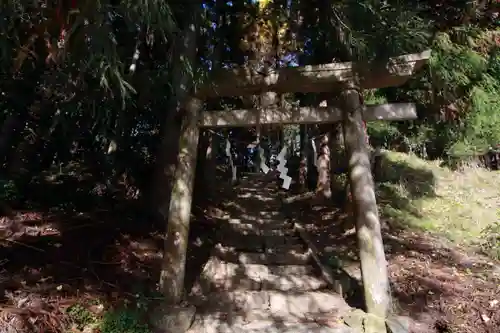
column 80, row 316
column 123, row 321
column 490, row 241
column 461, row 205
column 120, row 320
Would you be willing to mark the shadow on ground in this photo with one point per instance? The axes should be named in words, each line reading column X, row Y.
column 74, row 241
column 431, row 281
column 112, row 250
column 259, row 276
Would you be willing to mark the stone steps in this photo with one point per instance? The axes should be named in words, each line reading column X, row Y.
column 290, row 256
column 258, row 226
column 215, row 325
column 260, row 277
column 276, row 305
column 220, row 275
column 257, row 243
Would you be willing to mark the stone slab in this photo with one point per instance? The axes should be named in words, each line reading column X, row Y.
column 247, row 240
column 223, row 324
column 290, row 256
column 260, row 305
column 172, row 319
column 220, row 275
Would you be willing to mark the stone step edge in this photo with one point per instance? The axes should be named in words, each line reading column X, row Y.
column 283, row 257
column 337, row 278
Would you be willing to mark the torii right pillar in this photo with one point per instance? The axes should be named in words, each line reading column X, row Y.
column 368, row 229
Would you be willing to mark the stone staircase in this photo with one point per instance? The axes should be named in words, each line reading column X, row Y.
column 260, row 277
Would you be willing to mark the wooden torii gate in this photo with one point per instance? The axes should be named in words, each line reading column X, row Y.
column 347, row 79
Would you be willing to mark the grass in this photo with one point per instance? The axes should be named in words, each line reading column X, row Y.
column 463, row 206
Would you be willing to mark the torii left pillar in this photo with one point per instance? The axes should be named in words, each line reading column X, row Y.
column 175, row 248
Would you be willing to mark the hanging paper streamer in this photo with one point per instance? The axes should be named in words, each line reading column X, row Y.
column 287, row 180
column 231, row 163
column 315, row 153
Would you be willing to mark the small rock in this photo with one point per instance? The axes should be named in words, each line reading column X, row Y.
column 172, row 318
column 398, row 324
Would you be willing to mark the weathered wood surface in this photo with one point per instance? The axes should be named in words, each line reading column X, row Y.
column 174, row 258
column 317, row 78
column 303, row 115
column 368, row 230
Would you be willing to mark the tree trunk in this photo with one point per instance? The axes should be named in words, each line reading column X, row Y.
column 304, row 148
column 312, row 161
column 372, row 257
column 12, row 125
column 337, row 158
column 200, row 186
column 19, row 163
column 210, row 167
column 323, row 165
column 232, row 163
column 174, row 260
column 22, row 95
column 181, row 80
column 256, row 155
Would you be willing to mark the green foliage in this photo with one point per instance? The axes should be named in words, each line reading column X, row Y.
column 456, row 99
column 482, row 122
column 80, row 316
column 382, row 133
column 123, row 321
column 490, row 241
column 454, row 67
column 379, row 30
column 373, row 97
column 119, row 320
column 469, row 78
column 8, row 190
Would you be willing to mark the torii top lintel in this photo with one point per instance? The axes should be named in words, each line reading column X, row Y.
column 312, row 78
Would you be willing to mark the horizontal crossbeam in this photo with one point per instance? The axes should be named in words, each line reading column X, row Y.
column 312, row 78
column 303, row 115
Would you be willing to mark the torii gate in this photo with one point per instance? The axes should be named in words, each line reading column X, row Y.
column 348, row 79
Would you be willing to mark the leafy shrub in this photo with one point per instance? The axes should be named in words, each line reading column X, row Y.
column 80, row 316
column 123, row 321
column 456, row 96
column 8, row 190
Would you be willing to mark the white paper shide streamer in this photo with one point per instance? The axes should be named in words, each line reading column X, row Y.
column 228, row 153
column 287, row 180
column 315, row 153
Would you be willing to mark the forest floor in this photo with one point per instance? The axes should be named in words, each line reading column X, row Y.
column 79, row 266
column 441, row 231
